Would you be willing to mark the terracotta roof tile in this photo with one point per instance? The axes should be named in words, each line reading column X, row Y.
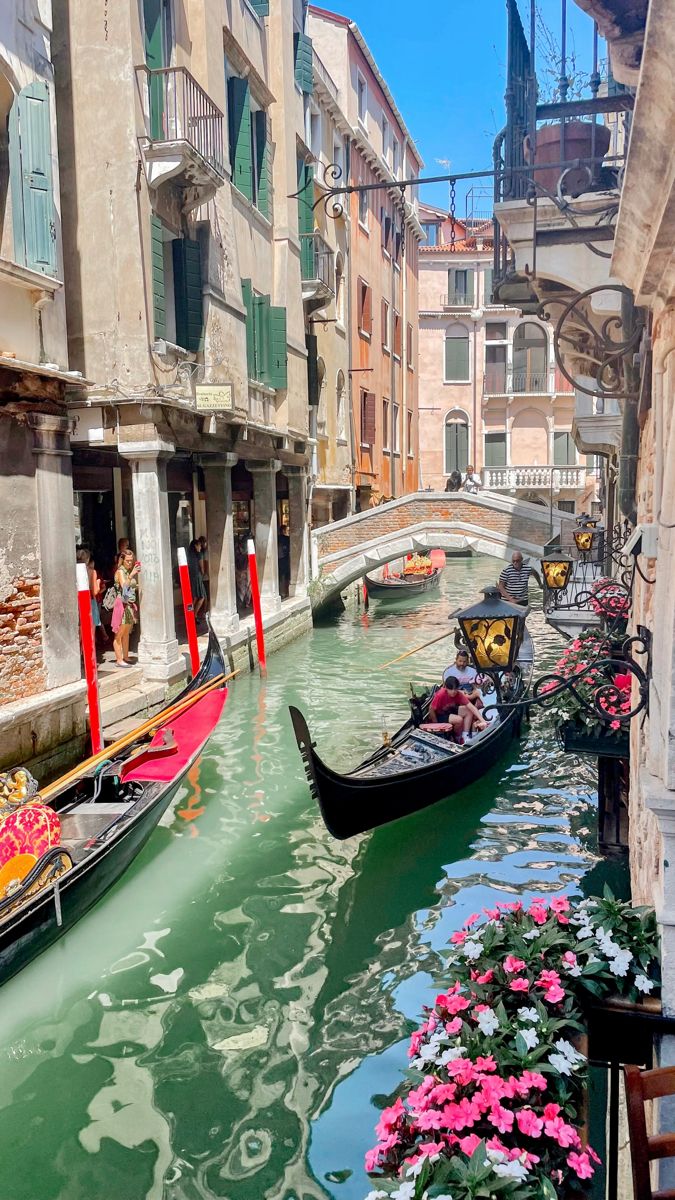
column 465, row 246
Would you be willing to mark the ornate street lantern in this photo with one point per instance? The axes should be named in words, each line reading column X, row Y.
column 586, row 537
column 557, row 569
column 493, row 631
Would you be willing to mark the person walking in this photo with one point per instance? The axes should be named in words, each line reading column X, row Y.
column 125, row 612
column 513, row 583
column 195, row 558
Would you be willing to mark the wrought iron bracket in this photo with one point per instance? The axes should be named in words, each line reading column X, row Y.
column 607, row 355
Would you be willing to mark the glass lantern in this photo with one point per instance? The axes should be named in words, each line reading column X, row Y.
column 493, row 631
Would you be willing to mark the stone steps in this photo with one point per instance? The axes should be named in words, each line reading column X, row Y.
column 132, row 705
column 112, row 680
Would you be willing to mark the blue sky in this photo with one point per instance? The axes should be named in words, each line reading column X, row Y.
column 445, row 64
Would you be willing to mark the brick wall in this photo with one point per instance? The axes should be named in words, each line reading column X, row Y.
column 380, row 522
column 22, row 671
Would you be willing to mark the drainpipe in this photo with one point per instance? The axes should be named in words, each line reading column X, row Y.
column 630, row 432
column 475, row 370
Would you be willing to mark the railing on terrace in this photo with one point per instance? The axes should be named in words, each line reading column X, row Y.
column 317, row 260
column 508, row 479
column 560, row 148
column 457, row 300
column 501, row 380
column 177, row 109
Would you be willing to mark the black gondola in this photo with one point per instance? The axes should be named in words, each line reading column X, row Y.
column 106, row 817
column 399, row 587
column 415, row 770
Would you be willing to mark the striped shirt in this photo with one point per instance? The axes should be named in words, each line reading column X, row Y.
column 516, row 582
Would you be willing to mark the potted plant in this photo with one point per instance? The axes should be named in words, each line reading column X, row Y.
column 579, row 727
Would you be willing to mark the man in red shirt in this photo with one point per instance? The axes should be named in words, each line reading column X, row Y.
column 451, row 711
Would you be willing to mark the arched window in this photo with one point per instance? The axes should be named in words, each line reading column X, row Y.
column 530, row 358
column 321, row 382
column 339, row 287
column 340, row 406
column 456, row 442
column 456, row 354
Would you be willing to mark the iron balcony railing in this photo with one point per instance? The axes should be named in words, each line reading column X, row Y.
column 317, row 260
column 457, row 300
column 177, row 109
column 509, row 479
column 501, row 380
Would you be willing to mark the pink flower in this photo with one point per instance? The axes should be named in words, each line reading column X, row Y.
column 554, row 994
column 432, row 1118
column 471, row 920
column 461, row 1116
column 528, row 1123
column 534, row 1079
column 551, row 1111
column 581, row 1165
column 486, row 1064
column 419, row 1097
column 453, row 1026
column 562, row 1133
column 520, row 984
column 443, row 1093
column 569, row 959
column 492, row 913
column 486, row 977
column 468, row 1144
column 547, row 979
column 373, row 1159
column 501, row 1118
column 560, row 904
column 389, row 1119
column 458, row 938
column 513, row 965
column 538, row 912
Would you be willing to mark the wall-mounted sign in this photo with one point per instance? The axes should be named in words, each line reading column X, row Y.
column 214, row 397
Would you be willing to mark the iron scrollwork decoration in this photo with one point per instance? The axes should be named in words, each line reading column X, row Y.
column 609, row 598
column 606, row 355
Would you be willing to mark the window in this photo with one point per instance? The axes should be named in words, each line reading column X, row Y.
column 395, row 431
column 177, row 287
column 460, row 287
column 495, row 331
column 530, row 358
column 564, row 450
column 385, row 426
column 340, row 406
column 565, row 505
column 362, row 98
column 339, row 288
column 409, row 348
column 385, row 138
column 456, row 443
column 367, row 418
column 260, row 156
column 495, row 449
column 494, row 380
column 456, row 354
column 266, row 339
column 26, row 175
column 431, row 230
column 314, row 140
column 487, row 285
column 321, row 385
column 304, row 63
column 365, row 309
column 395, row 156
column 249, row 144
column 411, row 449
column 386, row 226
column 397, row 335
column 338, row 160
column 363, row 209
column 386, row 344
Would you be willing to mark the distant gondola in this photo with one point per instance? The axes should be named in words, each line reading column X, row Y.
column 416, row 770
column 399, row 587
column 106, row 816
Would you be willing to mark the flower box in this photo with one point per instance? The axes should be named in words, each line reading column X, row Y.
column 605, row 743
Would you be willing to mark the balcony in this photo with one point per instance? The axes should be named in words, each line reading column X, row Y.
column 596, row 426
column 317, row 269
column 534, row 479
column 500, row 380
column 183, row 133
column 457, row 300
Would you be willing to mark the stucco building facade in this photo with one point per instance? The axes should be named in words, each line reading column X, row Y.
column 384, row 257
column 491, row 396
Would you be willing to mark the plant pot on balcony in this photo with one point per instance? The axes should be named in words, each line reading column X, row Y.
column 578, row 144
column 584, row 739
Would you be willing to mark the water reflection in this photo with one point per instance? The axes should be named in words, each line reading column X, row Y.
column 230, row 1018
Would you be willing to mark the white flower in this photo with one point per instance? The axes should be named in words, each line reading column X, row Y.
column 560, row 1063
column 584, row 932
column 606, row 944
column 450, row 1055
column 487, row 1022
column 472, row 950
column 511, row 1170
column 534, row 933
column 416, row 1168
column 405, row 1192
column 643, row 984
column 377, row 1196
column 530, row 1037
column 592, row 958
column 496, row 1156
column 528, row 1014
column 568, row 1051
column 621, row 963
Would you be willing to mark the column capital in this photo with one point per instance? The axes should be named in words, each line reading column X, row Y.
column 50, row 433
column 212, row 461
column 294, row 472
column 269, row 465
column 157, row 448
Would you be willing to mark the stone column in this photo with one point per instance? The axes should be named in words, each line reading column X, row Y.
column 265, row 533
column 298, row 529
column 158, row 650
column 56, row 533
column 220, row 538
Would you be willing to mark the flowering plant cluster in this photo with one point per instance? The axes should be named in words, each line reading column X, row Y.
column 581, row 654
column 493, row 1103
column 609, row 599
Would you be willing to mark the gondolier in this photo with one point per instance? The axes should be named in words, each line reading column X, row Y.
column 513, row 583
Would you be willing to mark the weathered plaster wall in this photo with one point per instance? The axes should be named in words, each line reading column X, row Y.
column 22, row 670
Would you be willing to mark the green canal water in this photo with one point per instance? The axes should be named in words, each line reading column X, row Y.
column 231, row 1017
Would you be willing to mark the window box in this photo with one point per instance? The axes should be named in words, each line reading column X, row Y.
column 584, row 739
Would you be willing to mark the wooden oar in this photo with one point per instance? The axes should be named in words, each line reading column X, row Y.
column 150, row 726
column 416, row 650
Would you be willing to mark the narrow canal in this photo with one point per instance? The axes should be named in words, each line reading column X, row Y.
column 229, row 1020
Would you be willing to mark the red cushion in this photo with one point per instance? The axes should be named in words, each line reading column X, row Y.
column 191, row 730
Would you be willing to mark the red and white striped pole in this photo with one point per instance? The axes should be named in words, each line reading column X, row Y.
column 257, row 610
column 88, row 639
column 189, row 610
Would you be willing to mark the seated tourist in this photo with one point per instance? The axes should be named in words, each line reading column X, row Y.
column 451, row 711
column 466, row 677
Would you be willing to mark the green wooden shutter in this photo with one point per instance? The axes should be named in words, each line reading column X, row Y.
column 313, row 387
column 563, row 449
column 158, row 292
column 261, row 337
column 304, row 63
column 154, row 57
column 30, row 156
column 239, row 121
column 277, row 360
column 263, row 163
column 451, row 284
column 187, row 276
column 306, row 218
column 262, row 7
column 469, row 286
column 456, row 446
column 247, row 297
column 495, row 449
column 487, row 285
column 456, row 359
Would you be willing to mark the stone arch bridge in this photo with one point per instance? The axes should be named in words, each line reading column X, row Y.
column 486, row 523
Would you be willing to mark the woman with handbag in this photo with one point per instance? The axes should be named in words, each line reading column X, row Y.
column 125, row 611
